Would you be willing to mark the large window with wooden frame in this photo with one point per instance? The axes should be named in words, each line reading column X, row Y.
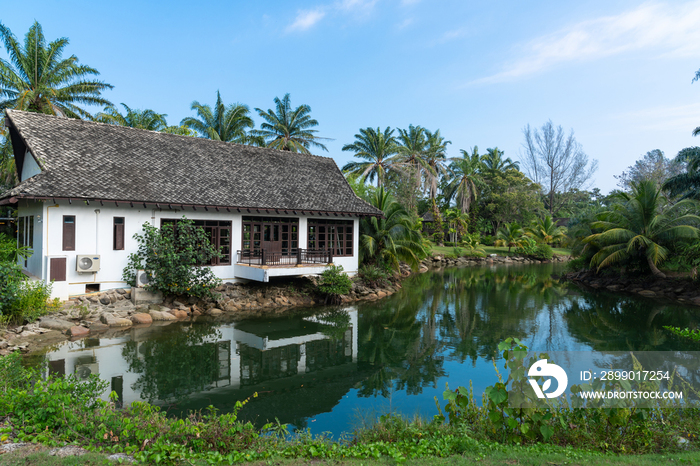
column 69, row 232
column 273, row 234
column 219, row 234
column 336, row 235
column 118, row 233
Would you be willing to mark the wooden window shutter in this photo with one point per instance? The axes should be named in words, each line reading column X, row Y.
column 58, row 269
column 69, row 232
column 118, row 233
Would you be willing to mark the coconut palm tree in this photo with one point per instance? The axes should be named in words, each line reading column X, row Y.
column 38, row 79
column 390, row 239
column 289, row 129
column 639, row 227
column 493, row 161
column 686, row 185
column 133, row 118
column 465, row 177
column 376, row 147
column 457, row 222
column 511, row 235
column 436, row 157
column 545, row 230
column 223, row 123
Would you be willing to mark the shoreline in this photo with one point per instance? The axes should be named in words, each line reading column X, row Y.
column 112, row 312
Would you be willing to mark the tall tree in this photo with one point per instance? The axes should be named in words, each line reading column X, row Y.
column 38, row 79
column 411, row 159
column 687, row 183
column 133, row 118
column 289, row 129
column 545, row 230
column 465, row 177
column 653, row 166
column 436, row 157
column 376, row 148
column 556, row 162
column 493, row 160
column 222, row 123
column 638, row 227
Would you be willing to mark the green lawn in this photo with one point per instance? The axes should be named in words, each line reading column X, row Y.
column 501, row 251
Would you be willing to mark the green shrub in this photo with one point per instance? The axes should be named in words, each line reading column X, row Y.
column 535, row 250
column 580, row 263
column 487, row 240
column 334, row 283
column 685, row 333
column 20, row 298
column 543, row 252
column 10, row 252
column 372, row 276
column 174, row 258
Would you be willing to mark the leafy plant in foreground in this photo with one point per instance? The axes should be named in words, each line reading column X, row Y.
column 334, row 283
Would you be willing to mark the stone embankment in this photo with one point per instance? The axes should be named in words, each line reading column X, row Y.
column 682, row 290
column 441, row 261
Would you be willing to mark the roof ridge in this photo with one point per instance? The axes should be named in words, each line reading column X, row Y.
column 120, row 127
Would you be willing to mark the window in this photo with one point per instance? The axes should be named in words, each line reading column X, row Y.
column 274, row 234
column 331, row 234
column 69, row 232
column 118, row 234
column 219, row 234
column 25, row 233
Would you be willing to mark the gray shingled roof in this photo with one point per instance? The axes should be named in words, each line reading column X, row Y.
column 86, row 160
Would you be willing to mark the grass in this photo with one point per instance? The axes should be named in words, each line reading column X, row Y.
column 38, row 456
column 501, row 251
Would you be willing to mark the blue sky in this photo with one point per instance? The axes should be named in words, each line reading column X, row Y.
column 616, row 72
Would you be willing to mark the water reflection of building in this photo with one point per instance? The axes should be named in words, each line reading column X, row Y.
column 227, row 363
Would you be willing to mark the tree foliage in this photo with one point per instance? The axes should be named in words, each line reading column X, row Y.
column 638, row 227
column 376, row 147
column 652, row 166
column 228, row 123
column 133, row 118
column 289, row 129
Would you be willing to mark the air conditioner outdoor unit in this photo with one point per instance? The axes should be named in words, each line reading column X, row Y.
column 142, row 278
column 86, row 264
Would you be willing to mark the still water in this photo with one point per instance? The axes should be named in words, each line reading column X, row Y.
column 333, row 369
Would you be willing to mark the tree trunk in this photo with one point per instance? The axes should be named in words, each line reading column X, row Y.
column 654, row 270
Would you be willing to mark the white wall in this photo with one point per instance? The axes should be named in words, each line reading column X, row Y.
column 94, row 235
column 29, row 167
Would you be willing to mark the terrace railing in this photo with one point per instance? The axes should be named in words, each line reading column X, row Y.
column 293, row 258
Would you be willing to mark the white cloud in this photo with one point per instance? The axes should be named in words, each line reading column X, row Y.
column 452, row 35
column 356, row 6
column 306, row 19
column 405, row 23
column 666, row 29
column 409, row 2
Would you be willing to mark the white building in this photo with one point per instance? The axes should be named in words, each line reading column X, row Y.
column 86, row 188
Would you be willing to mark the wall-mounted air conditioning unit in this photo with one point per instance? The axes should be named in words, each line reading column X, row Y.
column 87, row 264
column 85, row 366
column 142, row 278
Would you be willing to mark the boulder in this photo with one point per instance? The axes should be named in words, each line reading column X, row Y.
column 381, row 294
column 178, row 313
column 104, row 299
column 53, row 323
column 647, row 293
column 108, row 319
column 215, row 312
column 98, row 327
column 70, row 450
column 141, row 318
column 160, row 316
column 78, row 331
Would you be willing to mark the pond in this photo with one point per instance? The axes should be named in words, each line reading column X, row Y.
column 334, row 369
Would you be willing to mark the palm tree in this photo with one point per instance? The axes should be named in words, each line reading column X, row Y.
column 412, row 153
column 511, row 235
column 436, row 156
column 686, row 185
column 287, row 129
column 134, row 118
column 493, row 161
column 390, row 239
column 638, row 227
column 457, row 222
column 465, row 177
column 38, row 79
column 223, row 123
column 545, row 230
column 376, row 147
